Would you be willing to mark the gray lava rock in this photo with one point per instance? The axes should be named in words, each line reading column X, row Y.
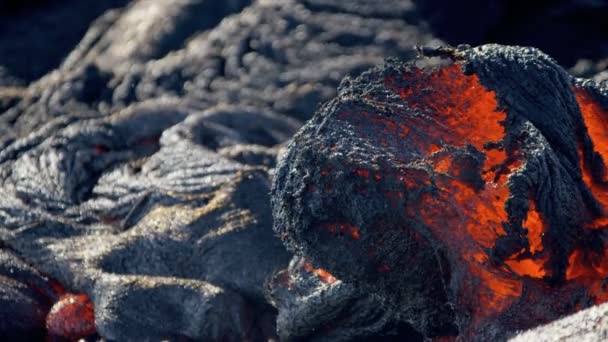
column 586, row 326
column 149, row 205
column 137, row 171
column 280, row 55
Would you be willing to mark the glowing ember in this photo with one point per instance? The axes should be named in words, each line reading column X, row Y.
column 72, row 317
column 344, row 228
column 322, row 274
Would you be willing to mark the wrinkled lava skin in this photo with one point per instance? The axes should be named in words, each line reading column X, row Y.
column 466, row 190
column 136, row 171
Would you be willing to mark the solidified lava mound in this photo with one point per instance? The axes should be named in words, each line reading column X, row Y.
column 464, row 192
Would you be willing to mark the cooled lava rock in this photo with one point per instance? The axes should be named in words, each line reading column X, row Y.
column 315, row 306
column 136, row 172
column 467, row 190
column 587, row 325
column 141, row 221
column 281, row 55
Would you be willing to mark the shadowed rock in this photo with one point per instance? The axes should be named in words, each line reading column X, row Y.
column 26, row 297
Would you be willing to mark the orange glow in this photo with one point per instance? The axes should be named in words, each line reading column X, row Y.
column 462, row 106
column 344, row 229
column 587, row 267
column 455, row 184
column 467, row 217
column 527, row 267
column 535, row 227
column 596, row 122
column 323, row 275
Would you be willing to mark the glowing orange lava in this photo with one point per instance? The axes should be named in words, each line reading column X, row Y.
column 455, row 182
column 467, row 216
column 322, row 274
column 596, row 122
column 589, row 267
column 72, row 317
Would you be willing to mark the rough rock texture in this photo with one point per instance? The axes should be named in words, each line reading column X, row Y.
column 466, row 192
column 113, row 200
column 586, row 326
column 137, row 172
column 276, row 55
column 314, row 306
column 135, row 167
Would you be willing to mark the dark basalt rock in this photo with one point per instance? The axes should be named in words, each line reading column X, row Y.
column 315, row 310
column 365, row 190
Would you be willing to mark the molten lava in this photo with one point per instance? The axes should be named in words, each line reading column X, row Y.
column 462, row 132
column 455, row 191
column 588, row 266
column 322, row 274
column 471, row 198
column 72, row 318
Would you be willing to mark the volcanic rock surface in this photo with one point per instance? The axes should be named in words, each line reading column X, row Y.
column 138, row 171
column 585, row 326
column 466, row 191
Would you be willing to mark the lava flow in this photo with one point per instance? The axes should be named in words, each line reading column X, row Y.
column 466, row 209
column 453, row 189
column 471, row 216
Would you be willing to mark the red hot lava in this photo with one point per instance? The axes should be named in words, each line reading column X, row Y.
column 72, row 318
